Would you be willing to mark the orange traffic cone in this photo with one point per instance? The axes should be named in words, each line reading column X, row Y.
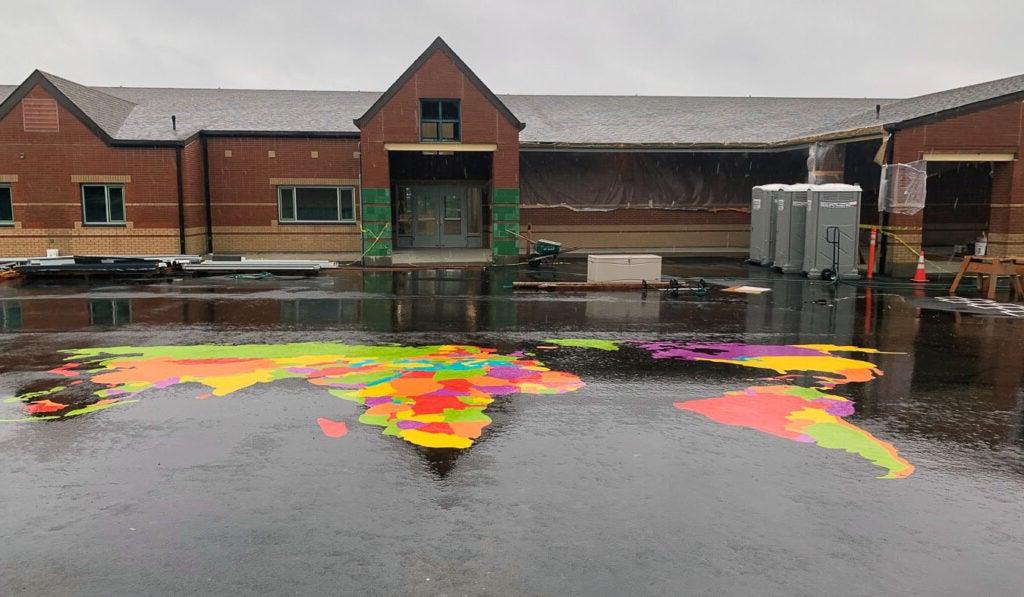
column 919, row 275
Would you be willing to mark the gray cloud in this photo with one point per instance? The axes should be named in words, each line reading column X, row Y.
column 778, row 47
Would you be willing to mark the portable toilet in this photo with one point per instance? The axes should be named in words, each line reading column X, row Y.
column 762, row 223
column 833, row 223
column 790, row 226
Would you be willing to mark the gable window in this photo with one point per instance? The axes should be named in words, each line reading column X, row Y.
column 440, row 120
column 103, row 204
column 316, row 204
column 6, row 206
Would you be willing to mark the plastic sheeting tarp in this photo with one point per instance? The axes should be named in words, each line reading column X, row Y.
column 605, row 181
column 826, row 163
column 903, row 188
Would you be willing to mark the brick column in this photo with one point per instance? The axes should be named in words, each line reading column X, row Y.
column 505, row 225
column 1006, row 213
column 901, row 257
column 376, row 226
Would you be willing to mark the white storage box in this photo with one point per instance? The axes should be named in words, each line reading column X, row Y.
column 623, row 268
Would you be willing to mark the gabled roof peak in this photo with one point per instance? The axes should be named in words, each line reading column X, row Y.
column 101, row 112
column 438, row 45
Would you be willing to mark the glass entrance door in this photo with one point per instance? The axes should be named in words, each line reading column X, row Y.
column 453, row 220
column 434, row 216
column 426, row 216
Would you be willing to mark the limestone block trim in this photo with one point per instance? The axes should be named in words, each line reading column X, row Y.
column 340, row 182
column 8, row 178
column 102, row 178
column 347, row 228
column 111, row 229
column 625, row 228
column 657, row 236
column 34, row 203
column 1003, row 238
column 94, row 232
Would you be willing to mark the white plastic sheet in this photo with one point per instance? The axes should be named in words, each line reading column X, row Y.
column 903, row 188
column 826, row 163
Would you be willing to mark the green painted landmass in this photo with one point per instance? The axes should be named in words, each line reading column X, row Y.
column 584, row 343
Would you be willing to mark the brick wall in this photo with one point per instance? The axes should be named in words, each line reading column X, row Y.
column 996, row 129
column 244, row 175
column 47, row 202
column 398, row 122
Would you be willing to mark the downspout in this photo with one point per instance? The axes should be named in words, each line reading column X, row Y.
column 883, row 250
column 206, row 197
column 181, row 202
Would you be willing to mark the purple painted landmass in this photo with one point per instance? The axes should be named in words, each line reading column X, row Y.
column 839, row 408
column 505, row 372
column 691, row 351
column 166, row 383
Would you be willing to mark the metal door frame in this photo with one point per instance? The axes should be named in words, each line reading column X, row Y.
column 438, row 189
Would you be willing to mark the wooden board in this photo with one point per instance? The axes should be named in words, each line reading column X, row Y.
column 587, row 286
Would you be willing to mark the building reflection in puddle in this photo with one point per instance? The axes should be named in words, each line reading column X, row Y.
column 10, row 315
column 110, row 313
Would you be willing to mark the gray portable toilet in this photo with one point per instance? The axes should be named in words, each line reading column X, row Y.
column 762, row 223
column 833, row 223
column 790, row 226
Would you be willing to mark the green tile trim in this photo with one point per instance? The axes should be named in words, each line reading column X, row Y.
column 379, row 250
column 379, row 232
column 504, row 248
column 372, row 229
column 505, row 196
column 505, row 230
column 502, row 213
column 378, row 196
column 376, row 213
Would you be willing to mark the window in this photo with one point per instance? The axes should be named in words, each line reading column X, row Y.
column 6, row 206
column 103, row 204
column 316, row 204
column 112, row 312
column 440, row 120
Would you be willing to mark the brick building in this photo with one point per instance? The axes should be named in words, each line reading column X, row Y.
column 438, row 160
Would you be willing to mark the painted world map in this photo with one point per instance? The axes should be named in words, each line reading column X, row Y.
column 437, row 396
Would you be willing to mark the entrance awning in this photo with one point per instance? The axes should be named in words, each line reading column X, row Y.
column 949, row 156
column 446, row 147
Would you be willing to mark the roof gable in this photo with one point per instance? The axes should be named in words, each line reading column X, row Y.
column 438, row 45
column 930, row 107
column 104, row 114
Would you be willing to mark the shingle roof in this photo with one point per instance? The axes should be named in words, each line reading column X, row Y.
column 238, row 110
column 905, row 110
column 143, row 114
column 609, row 120
column 107, row 111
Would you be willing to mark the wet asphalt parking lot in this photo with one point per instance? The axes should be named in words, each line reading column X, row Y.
column 609, row 489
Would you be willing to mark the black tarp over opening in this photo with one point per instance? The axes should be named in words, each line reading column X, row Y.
column 605, row 181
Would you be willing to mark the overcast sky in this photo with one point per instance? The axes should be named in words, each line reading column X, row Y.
column 853, row 48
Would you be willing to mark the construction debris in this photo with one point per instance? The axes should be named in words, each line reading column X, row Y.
column 92, row 266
